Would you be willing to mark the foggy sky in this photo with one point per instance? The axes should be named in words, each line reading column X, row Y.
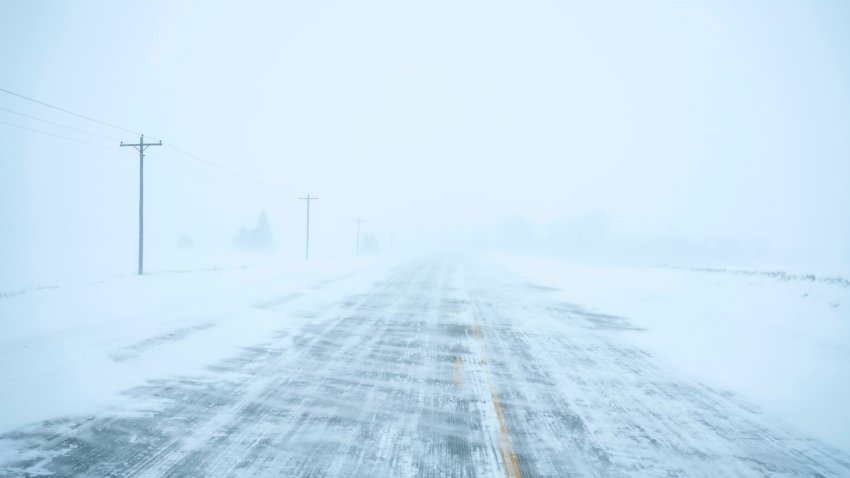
column 717, row 126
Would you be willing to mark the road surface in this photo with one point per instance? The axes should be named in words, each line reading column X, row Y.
column 445, row 368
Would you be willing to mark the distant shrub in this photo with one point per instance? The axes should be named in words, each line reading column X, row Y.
column 259, row 239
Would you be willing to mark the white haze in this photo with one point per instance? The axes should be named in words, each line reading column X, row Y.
column 692, row 133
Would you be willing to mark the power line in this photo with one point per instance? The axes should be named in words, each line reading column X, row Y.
column 57, row 124
column 227, row 170
column 204, row 176
column 89, row 118
column 196, row 173
column 111, row 125
column 57, row 135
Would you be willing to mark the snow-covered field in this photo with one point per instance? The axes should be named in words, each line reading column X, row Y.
column 785, row 345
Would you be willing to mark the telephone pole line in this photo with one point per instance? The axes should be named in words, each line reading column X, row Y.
column 358, row 221
column 141, row 147
column 307, row 247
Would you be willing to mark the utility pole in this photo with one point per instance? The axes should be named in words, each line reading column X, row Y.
column 358, row 221
column 141, row 147
column 308, row 199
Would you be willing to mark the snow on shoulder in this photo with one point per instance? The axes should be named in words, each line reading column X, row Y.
column 781, row 343
column 73, row 350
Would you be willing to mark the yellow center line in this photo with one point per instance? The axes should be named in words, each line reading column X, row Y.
column 506, row 449
column 458, row 371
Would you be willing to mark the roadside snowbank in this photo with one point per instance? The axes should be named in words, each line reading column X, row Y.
column 71, row 350
column 783, row 344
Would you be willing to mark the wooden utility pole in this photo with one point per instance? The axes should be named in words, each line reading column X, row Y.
column 307, row 247
column 141, row 147
column 358, row 221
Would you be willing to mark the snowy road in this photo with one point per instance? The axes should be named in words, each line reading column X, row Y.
column 445, row 368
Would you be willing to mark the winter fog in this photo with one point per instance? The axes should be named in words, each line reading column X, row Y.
column 651, row 179
column 707, row 133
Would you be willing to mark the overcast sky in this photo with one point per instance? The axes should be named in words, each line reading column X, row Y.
column 716, row 122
